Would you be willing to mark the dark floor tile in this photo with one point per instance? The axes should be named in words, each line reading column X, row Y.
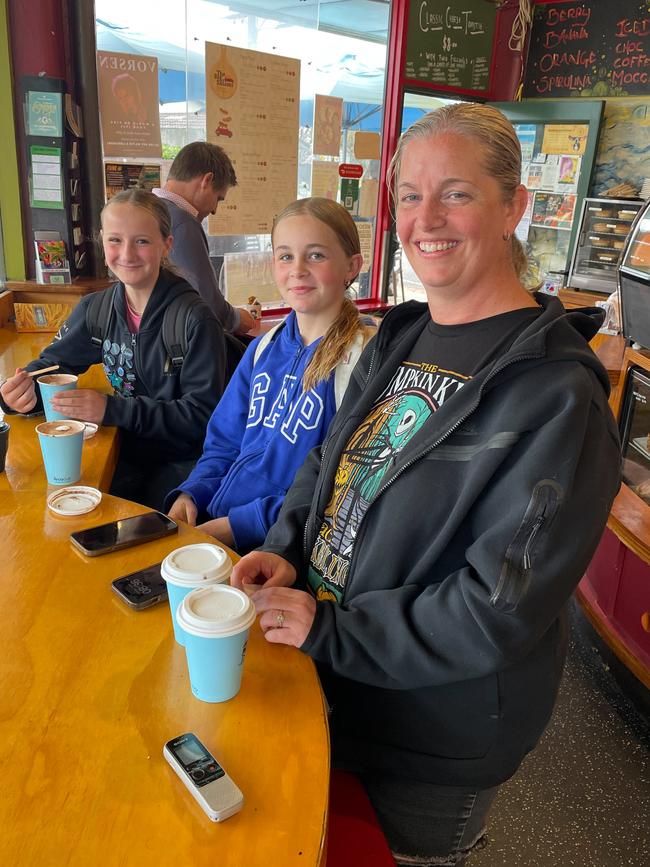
column 583, row 797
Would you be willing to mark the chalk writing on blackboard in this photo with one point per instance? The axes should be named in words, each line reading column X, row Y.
column 450, row 44
column 589, row 49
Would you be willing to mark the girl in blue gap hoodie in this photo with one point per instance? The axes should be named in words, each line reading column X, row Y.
column 282, row 397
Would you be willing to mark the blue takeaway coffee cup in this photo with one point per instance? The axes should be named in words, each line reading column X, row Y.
column 49, row 385
column 61, row 444
column 216, row 621
column 190, row 567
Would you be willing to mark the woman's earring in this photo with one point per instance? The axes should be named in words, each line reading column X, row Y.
column 507, row 236
column 347, row 284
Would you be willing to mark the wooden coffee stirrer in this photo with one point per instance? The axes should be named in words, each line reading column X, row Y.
column 43, row 370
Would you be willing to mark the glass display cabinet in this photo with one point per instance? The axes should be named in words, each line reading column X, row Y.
column 634, row 281
column 635, row 432
column 604, row 228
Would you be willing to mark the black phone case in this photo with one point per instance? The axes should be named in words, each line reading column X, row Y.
column 165, row 530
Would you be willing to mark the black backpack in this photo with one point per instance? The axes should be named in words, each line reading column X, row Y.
column 174, row 328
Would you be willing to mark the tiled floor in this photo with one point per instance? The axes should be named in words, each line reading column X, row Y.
column 583, row 797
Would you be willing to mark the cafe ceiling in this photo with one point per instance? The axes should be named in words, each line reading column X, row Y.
column 362, row 19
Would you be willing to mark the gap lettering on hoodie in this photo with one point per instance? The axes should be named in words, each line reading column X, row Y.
column 304, row 412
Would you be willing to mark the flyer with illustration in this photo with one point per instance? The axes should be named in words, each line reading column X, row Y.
column 328, row 114
column 252, row 112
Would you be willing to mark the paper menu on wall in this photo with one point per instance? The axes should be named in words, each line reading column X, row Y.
column 364, row 228
column 252, row 111
column 325, row 179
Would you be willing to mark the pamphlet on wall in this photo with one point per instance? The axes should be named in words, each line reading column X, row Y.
column 46, row 177
column 52, row 264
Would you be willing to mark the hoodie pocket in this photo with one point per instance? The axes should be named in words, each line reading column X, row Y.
column 517, row 566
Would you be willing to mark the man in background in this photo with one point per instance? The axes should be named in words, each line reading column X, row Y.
column 199, row 178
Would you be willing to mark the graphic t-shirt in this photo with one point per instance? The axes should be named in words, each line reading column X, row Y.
column 442, row 361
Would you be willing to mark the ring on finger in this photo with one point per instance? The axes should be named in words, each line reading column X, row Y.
column 279, row 619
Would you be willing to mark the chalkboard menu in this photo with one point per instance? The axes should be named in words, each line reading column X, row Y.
column 450, row 43
column 593, row 49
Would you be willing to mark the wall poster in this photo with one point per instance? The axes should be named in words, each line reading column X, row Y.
column 252, row 111
column 128, row 104
column 328, row 115
column 125, row 176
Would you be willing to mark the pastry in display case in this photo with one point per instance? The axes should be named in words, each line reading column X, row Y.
column 604, row 227
column 635, row 433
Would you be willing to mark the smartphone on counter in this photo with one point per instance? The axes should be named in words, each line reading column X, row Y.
column 202, row 774
column 141, row 589
column 123, row 533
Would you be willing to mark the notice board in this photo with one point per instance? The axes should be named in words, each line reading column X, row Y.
column 593, row 49
column 450, row 44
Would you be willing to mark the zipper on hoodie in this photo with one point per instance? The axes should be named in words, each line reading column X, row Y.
column 518, row 561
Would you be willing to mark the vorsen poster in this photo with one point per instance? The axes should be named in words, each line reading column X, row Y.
column 252, row 111
column 128, row 104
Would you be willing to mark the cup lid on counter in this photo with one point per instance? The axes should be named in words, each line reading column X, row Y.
column 217, row 611
column 196, row 564
column 74, row 500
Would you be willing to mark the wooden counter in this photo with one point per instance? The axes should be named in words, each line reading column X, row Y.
column 91, row 690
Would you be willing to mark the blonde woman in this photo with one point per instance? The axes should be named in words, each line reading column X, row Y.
column 283, row 395
column 462, row 490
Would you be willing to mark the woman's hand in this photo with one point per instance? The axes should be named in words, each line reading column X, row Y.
column 84, row 404
column 261, row 567
column 184, row 509
column 19, row 392
column 286, row 616
column 219, row 528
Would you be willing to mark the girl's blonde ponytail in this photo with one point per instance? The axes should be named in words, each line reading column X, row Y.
column 333, row 346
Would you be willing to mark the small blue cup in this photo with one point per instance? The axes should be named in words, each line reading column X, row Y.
column 61, row 444
column 49, row 385
column 216, row 621
column 189, row 567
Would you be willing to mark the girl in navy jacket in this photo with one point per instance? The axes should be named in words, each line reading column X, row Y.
column 162, row 411
column 282, row 397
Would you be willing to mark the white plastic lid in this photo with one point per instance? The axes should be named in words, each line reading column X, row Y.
column 217, row 611
column 196, row 565
column 76, row 500
column 90, row 429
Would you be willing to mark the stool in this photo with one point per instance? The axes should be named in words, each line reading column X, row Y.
column 354, row 838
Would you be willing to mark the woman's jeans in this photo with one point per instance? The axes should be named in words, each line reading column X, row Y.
column 427, row 824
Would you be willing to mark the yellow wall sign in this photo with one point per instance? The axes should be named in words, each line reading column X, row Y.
column 565, row 138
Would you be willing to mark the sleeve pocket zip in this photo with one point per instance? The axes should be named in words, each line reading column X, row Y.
column 517, row 566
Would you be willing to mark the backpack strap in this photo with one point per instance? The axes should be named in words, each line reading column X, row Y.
column 98, row 314
column 175, row 327
column 344, row 368
column 265, row 339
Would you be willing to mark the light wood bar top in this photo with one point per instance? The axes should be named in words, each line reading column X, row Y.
column 92, row 689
